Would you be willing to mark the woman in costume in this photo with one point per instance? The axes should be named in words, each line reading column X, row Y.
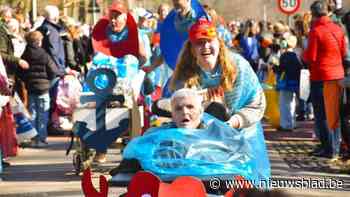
column 205, row 63
column 217, row 149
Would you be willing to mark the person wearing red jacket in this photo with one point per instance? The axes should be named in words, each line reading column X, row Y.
column 324, row 54
column 116, row 35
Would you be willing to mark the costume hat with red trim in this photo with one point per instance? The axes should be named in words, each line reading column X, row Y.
column 202, row 29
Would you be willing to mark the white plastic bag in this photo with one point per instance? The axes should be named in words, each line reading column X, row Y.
column 17, row 106
column 68, row 94
column 24, row 128
column 304, row 87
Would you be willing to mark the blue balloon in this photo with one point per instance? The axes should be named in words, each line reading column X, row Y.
column 125, row 67
column 171, row 41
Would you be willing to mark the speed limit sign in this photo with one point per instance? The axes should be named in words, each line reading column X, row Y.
column 289, row 6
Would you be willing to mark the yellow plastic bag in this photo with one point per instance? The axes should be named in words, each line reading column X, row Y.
column 272, row 112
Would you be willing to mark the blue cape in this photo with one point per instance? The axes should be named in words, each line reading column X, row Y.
column 171, row 40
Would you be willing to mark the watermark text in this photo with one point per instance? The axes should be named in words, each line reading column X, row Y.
column 301, row 183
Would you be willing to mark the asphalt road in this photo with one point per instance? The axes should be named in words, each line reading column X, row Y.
column 49, row 172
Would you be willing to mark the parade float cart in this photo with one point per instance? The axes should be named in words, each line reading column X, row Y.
column 104, row 114
column 216, row 152
column 113, row 78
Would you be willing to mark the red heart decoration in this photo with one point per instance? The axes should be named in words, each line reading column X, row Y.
column 143, row 184
column 184, row 187
column 147, row 184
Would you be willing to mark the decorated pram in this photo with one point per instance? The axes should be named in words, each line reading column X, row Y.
column 214, row 152
column 113, row 80
column 107, row 107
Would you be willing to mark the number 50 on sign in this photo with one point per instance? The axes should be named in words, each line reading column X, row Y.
column 289, row 6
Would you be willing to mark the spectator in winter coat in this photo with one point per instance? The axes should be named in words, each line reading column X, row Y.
column 6, row 47
column 38, row 79
column 74, row 51
column 52, row 41
column 8, row 143
column 325, row 51
column 345, row 108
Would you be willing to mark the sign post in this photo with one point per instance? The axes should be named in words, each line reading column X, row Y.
column 288, row 7
column 94, row 9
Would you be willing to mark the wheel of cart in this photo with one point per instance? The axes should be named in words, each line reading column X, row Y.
column 82, row 157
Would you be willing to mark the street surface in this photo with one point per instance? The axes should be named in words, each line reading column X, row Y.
column 48, row 172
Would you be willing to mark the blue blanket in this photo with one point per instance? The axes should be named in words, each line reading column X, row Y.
column 215, row 150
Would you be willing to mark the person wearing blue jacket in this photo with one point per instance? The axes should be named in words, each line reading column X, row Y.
column 249, row 44
column 52, row 42
column 288, row 84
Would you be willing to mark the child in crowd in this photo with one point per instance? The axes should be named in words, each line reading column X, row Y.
column 37, row 80
column 288, row 84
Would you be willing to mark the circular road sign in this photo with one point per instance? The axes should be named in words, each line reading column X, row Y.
column 289, row 6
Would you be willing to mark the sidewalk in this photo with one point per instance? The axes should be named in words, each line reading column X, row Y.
column 290, row 160
column 48, row 172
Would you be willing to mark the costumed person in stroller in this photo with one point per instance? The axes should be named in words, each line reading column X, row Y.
column 221, row 149
column 116, row 36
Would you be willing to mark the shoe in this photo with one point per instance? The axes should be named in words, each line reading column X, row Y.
column 44, row 141
column 322, row 153
column 36, row 143
column 345, row 155
column 33, row 142
column 100, row 158
column 25, row 144
column 316, row 150
column 310, row 117
column 41, row 144
column 335, row 158
column 5, row 164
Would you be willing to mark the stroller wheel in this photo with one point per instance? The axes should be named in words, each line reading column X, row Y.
column 77, row 163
